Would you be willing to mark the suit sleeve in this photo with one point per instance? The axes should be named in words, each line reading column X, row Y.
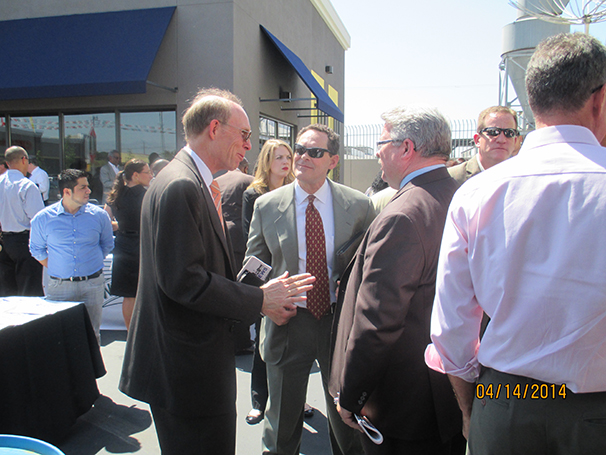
column 392, row 267
column 185, row 242
column 256, row 245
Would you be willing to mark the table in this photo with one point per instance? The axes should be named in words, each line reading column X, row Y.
column 49, row 362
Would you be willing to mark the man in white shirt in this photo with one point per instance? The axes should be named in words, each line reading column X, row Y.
column 39, row 177
column 281, row 222
column 20, row 200
column 524, row 242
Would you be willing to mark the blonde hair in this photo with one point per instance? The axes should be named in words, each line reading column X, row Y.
column 263, row 167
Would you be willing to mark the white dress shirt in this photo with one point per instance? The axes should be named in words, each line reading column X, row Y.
column 207, row 176
column 40, row 178
column 525, row 241
column 323, row 203
column 20, row 200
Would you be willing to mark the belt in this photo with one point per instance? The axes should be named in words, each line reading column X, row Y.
column 6, row 234
column 79, row 278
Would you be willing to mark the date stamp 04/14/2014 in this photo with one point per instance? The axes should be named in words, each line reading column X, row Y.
column 521, row 391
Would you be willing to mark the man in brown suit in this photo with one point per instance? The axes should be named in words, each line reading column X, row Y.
column 179, row 354
column 385, row 298
column 232, row 185
column 497, row 139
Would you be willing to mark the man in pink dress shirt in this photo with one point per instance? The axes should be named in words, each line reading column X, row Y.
column 524, row 242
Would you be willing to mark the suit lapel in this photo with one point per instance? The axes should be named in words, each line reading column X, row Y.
column 184, row 157
column 286, row 228
column 343, row 220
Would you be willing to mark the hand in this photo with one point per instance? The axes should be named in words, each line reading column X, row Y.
column 348, row 417
column 281, row 294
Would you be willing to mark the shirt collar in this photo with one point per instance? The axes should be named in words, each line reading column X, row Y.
column 207, row 176
column 418, row 172
column 322, row 195
column 61, row 209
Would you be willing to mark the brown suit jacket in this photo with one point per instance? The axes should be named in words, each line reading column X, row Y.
column 381, row 327
column 233, row 184
column 180, row 350
column 464, row 171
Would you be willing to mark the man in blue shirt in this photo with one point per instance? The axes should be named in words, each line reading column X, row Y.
column 71, row 238
column 20, row 200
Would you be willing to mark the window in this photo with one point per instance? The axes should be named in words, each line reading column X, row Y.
column 143, row 133
column 274, row 129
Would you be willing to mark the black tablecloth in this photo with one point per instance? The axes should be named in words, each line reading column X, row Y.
column 48, row 371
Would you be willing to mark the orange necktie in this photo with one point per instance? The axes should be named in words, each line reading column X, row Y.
column 215, row 192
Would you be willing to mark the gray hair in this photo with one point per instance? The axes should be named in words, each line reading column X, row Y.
column 425, row 127
column 564, row 71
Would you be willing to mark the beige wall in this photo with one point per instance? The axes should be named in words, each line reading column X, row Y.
column 359, row 174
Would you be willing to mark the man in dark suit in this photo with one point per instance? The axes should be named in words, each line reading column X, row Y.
column 232, row 185
column 386, row 294
column 179, row 355
column 497, row 139
column 278, row 236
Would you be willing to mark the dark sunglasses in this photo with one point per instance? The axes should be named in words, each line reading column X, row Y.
column 493, row 131
column 313, row 152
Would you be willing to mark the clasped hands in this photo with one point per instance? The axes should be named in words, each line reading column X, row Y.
column 281, row 294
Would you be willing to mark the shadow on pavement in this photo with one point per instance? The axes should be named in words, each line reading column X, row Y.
column 107, row 426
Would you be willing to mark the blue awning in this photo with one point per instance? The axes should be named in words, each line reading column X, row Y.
column 324, row 103
column 80, row 55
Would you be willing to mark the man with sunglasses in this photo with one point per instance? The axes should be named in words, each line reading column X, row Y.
column 313, row 225
column 497, row 139
column 524, row 242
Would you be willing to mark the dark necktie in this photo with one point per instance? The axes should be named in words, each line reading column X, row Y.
column 318, row 299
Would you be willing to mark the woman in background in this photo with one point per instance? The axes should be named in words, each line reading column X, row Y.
column 124, row 205
column 274, row 169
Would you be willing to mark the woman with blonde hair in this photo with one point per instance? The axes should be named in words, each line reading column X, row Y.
column 274, row 169
column 124, row 205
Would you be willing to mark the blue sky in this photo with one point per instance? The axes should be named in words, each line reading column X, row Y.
column 444, row 53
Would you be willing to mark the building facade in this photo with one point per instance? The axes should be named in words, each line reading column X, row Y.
column 84, row 78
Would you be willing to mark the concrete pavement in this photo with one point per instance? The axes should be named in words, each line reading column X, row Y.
column 118, row 424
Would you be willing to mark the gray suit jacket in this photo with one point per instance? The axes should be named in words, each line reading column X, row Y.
column 464, row 171
column 180, row 349
column 273, row 239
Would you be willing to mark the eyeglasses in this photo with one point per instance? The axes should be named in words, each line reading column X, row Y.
column 313, row 152
column 382, row 143
column 245, row 133
column 493, row 131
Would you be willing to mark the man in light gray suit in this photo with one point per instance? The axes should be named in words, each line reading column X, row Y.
column 281, row 234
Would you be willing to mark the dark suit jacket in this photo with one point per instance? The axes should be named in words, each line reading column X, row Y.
column 381, row 326
column 464, row 171
column 233, row 184
column 180, row 350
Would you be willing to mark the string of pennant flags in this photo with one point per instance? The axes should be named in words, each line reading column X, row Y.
column 29, row 123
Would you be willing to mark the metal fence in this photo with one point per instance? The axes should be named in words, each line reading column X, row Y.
column 360, row 140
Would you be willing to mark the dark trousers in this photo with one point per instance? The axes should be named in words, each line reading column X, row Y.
column 258, row 376
column 20, row 273
column 392, row 446
column 211, row 435
column 545, row 422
